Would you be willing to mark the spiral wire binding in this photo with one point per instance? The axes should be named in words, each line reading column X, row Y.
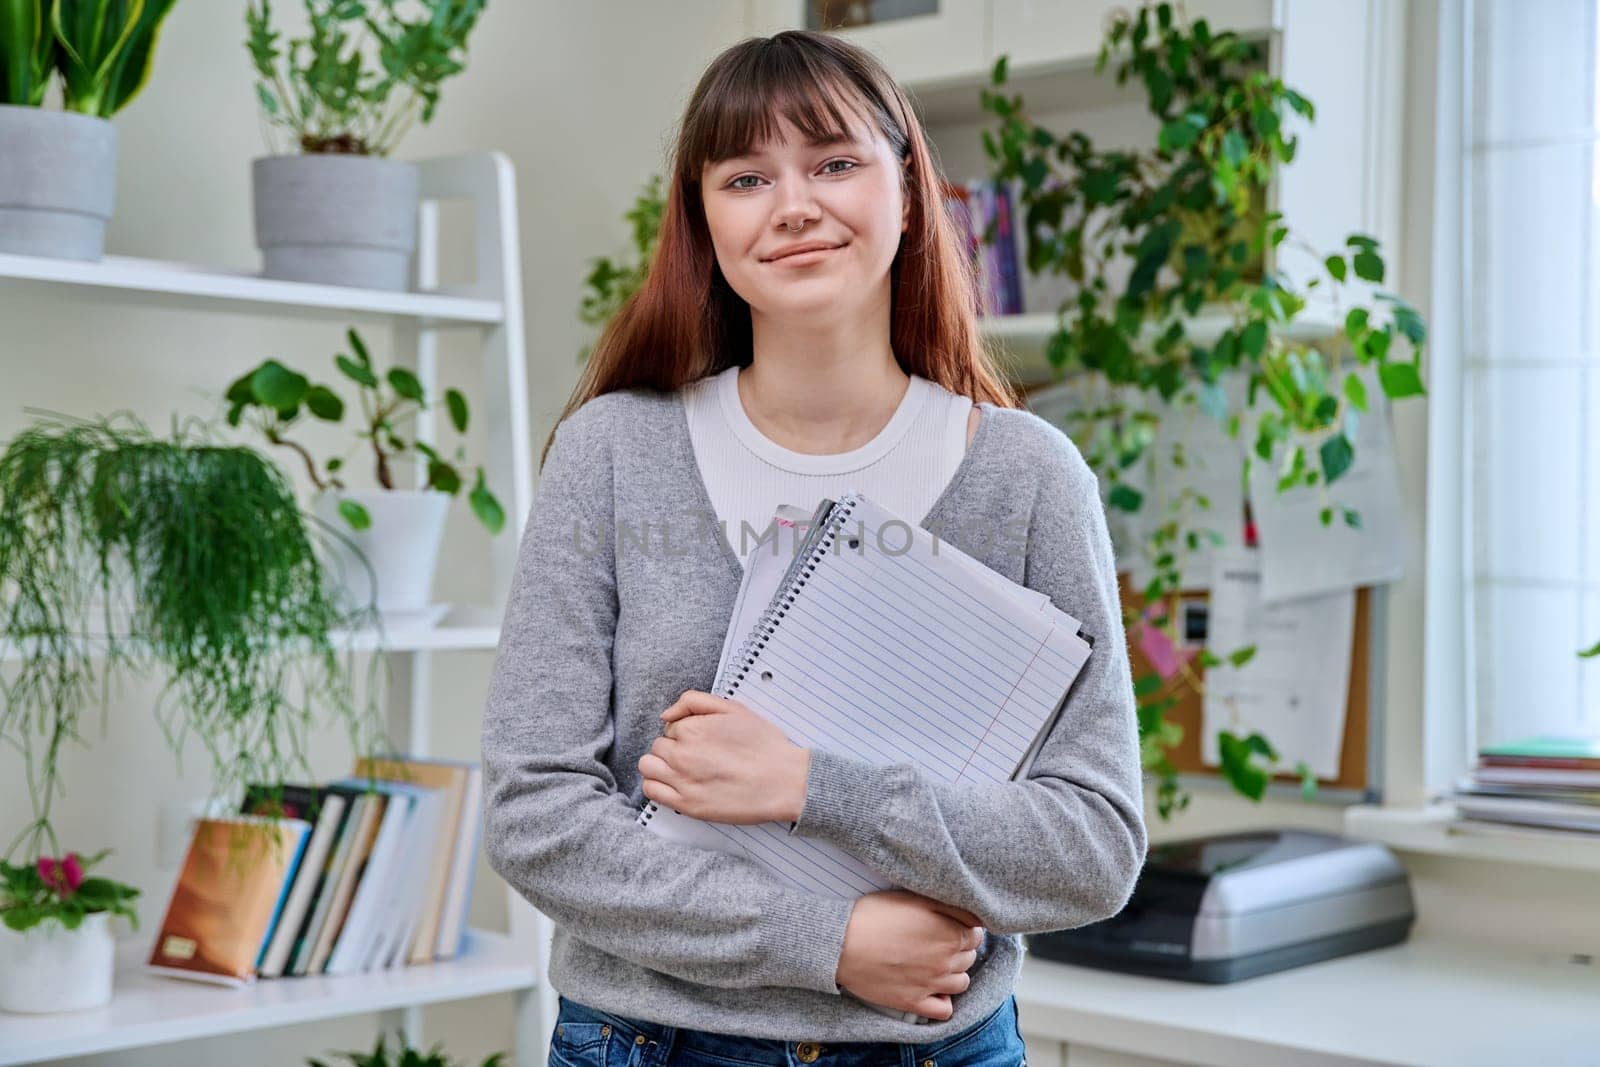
column 767, row 624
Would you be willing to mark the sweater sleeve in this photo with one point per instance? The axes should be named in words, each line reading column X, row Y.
column 1061, row 848
column 556, row 826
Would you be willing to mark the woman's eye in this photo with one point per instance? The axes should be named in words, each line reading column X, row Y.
column 734, row 183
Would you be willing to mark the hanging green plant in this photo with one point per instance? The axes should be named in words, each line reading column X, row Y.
column 1151, row 238
column 121, row 551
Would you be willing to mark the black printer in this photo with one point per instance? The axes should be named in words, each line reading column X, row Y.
column 1231, row 906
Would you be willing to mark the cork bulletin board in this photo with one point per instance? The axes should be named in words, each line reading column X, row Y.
column 1353, row 760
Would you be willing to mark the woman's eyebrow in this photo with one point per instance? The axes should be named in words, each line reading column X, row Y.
column 824, row 141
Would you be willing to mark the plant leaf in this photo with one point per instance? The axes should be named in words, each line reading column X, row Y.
column 356, row 372
column 325, row 403
column 457, row 404
column 1400, row 380
column 357, row 516
column 486, row 507
column 405, row 383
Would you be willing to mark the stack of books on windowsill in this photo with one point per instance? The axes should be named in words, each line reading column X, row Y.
column 365, row 873
column 1550, row 781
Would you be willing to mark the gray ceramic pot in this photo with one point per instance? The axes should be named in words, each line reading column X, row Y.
column 335, row 219
column 58, row 181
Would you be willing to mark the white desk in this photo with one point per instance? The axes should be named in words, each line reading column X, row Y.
column 1420, row 1002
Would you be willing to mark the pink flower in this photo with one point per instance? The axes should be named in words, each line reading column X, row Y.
column 1164, row 657
column 73, row 871
column 64, row 875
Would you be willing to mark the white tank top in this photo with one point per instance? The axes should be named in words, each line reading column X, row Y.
column 748, row 475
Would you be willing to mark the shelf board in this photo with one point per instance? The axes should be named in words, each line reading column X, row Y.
column 200, row 288
column 1438, row 829
column 148, row 1009
column 467, row 627
column 1023, row 337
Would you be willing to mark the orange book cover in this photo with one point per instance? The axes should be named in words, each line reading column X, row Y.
column 227, row 894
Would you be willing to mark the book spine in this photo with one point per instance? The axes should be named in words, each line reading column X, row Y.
column 804, row 566
column 830, row 518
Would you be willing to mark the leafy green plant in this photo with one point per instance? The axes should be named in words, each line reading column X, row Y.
column 610, row 284
column 102, row 50
column 404, row 1056
column 59, row 889
column 122, row 552
column 27, row 52
column 363, row 75
column 1152, row 237
column 275, row 398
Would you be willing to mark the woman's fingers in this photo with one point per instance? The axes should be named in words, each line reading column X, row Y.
column 964, row 960
column 662, row 793
column 937, row 1008
column 951, row 984
column 960, row 915
column 653, row 766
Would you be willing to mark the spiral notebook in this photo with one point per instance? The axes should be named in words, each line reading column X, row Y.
column 880, row 641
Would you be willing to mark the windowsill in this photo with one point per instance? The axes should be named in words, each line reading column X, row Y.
column 1435, row 829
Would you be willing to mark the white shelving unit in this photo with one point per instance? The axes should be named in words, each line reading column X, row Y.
column 150, row 1010
column 1024, row 336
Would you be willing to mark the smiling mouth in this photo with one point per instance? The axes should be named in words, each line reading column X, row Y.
column 805, row 255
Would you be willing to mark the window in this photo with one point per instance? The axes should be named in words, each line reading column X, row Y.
column 1531, row 376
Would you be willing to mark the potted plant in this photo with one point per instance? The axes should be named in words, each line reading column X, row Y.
column 336, row 210
column 58, row 169
column 123, row 552
column 56, row 948
column 1149, row 238
column 389, row 544
column 403, row 1056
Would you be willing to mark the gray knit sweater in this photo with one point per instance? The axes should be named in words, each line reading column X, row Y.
column 621, row 597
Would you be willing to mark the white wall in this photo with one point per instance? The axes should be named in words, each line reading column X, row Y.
column 583, row 98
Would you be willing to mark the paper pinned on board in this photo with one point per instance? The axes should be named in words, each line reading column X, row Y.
column 1192, row 454
column 1295, row 689
column 1059, row 404
column 1192, row 451
column 1301, row 556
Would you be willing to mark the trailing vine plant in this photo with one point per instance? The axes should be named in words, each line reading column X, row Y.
column 1150, row 238
column 122, row 552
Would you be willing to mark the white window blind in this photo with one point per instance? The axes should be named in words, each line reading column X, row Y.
column 1533, row 366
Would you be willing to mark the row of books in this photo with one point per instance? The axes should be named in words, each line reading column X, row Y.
column 1548, row 780
column 365, row 873
column 1005, row 287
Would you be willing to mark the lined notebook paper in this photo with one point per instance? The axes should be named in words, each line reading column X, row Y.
column 880, row 643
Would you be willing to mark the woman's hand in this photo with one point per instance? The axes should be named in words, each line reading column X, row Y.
column 721, row 762
column 908, row 952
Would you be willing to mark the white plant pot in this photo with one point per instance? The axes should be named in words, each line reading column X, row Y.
column 402, row 545
column 337, row 220
column 49, row 968
column 58, row 181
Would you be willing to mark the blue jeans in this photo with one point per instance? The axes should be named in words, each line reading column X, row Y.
column 586, row 1037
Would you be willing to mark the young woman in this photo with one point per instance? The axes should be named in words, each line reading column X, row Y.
column 807, row 327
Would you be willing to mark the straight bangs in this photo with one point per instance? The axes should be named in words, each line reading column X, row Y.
column 820, row 100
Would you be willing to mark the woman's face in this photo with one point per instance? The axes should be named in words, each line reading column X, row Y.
column 846, row 195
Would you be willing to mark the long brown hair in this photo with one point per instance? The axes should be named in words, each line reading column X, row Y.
column 685, row 321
